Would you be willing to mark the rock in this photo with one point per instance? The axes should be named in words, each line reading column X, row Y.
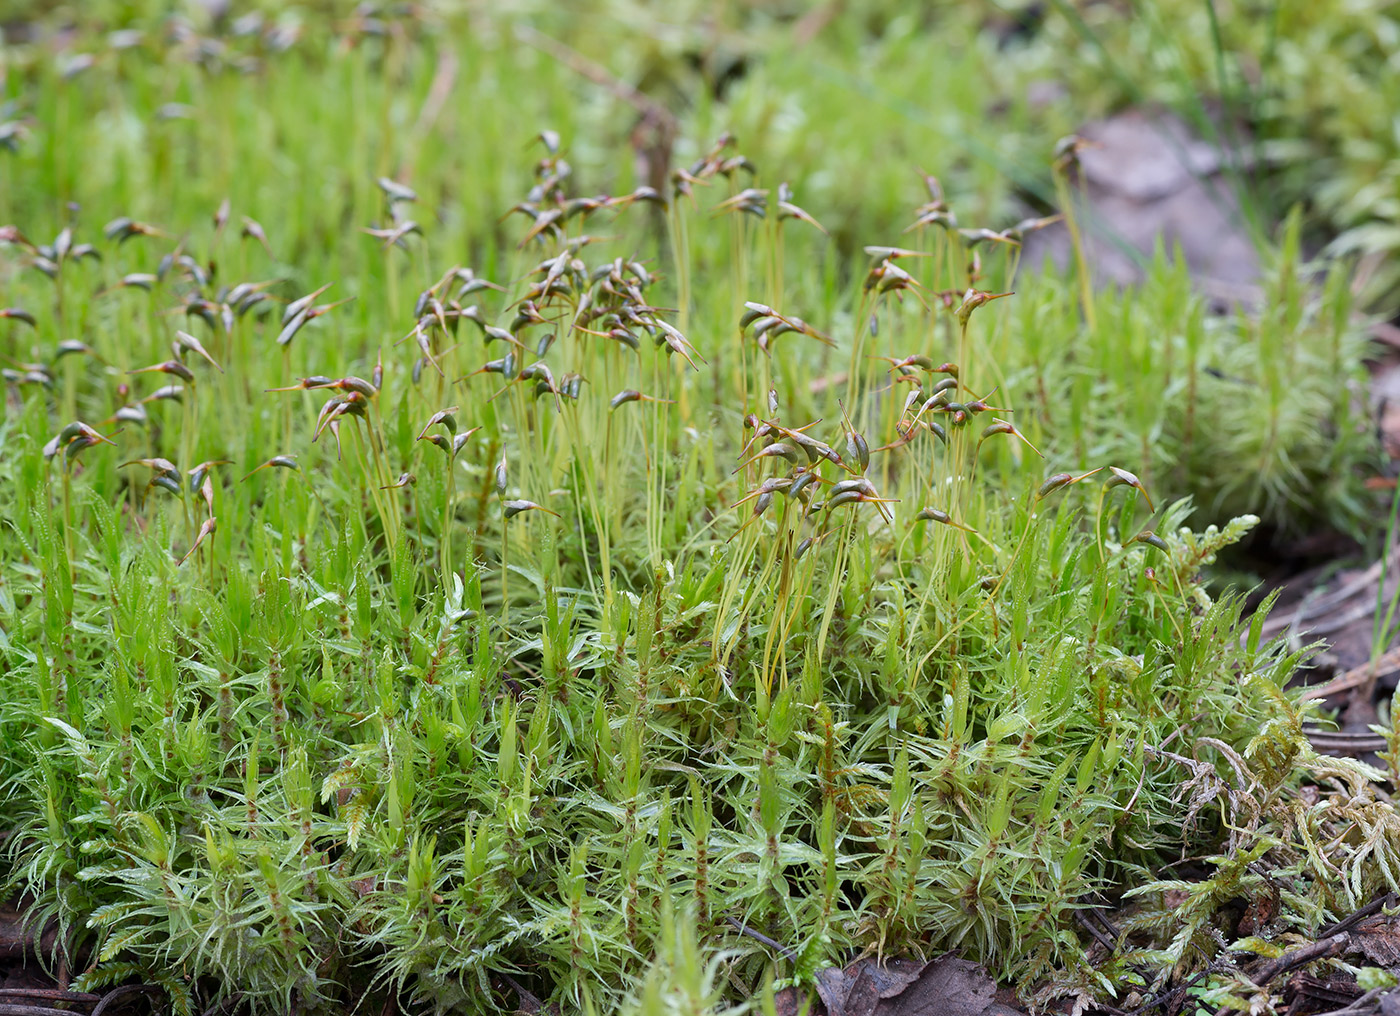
column 1147, row 179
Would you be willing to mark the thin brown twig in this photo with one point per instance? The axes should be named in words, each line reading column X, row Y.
column 50, row 995
column 1363, row 1003
column 1097, row 935
column 596, row 73
column 1360, row 914
column 1105, row 923
column 1321, row 949
column 758, row 936
column 1343, row 742
column 1355, row 677
column 444, row 78
column 1166, row 994
column 122, row 990
column 229, row 1004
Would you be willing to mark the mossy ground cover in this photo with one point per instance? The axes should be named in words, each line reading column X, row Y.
column 440, row 554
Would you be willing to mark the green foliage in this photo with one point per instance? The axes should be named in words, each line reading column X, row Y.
column 433, row 665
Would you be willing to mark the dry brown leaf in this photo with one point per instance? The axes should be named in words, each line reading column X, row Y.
column 946, row 986
column 1380, row 941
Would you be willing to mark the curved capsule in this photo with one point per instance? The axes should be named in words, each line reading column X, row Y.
column 185, row 341
column 166, row 483
column 754, row 312
column 358, row 385
column 858, row 449
column 460, row 441
column 132, row 414
column 815, row 449
column 775, row 450
column 917, row 360
column 858, row 483
column 72, row 439
column 1003, row 427
column 16, row 314
column 72, row 347
column 206, row 528
column 510, row 509
column 201, row 472
column 293, row 326
column 941, row 517
column 843, row 498
column 306, row 383
column 625, row 337
column 1150, row 538
column 447, row 417
column 1060, row 480
column 538, row 371
column 173, row 393
column 1123, row 478
column 161, row 467
column 1054, row 483
column 801, row 482
column 174, row 367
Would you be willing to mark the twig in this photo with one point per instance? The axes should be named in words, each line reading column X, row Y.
column 1361, row 1004
column 598, row 74
column 1095, row 933
column 125, row 989
column 1347, row 743
column 1359, row 915
column 1318, row 603
column 758, row 936
column 526, row 1000
column 444, row 78
column 1318, row 950
column 1167, row 993
column 50, row 995
column 1108, row 925
column 1355, row 677
column 228, row 1005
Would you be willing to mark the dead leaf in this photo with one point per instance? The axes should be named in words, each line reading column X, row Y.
column 364, row 886
column 946, row 986
column 796, row 1001
column 1380, row 941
